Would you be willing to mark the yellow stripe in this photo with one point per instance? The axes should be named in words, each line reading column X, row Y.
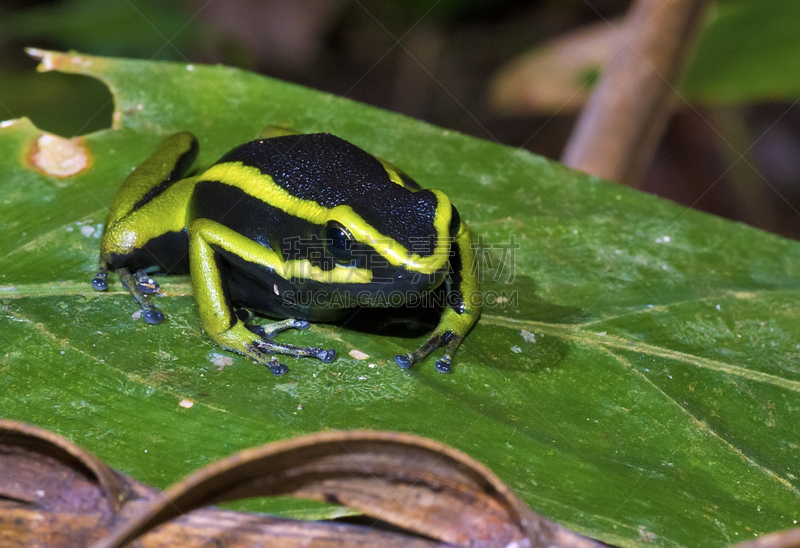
column 255, row 253
column 157, row 217
column 303, row 268
column 149, row 174
column 393, row 175
column 265, row 189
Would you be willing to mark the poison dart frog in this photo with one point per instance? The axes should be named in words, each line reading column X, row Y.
column 298, row 227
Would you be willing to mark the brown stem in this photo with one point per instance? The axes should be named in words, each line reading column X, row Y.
column 781, row 539
column 617, row 133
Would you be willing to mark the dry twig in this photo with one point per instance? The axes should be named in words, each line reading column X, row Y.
column 617, row 133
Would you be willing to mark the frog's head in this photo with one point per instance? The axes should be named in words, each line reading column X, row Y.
column 399, row 245
column 377, row 230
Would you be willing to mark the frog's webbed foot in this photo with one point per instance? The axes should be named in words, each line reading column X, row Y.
column 135, row 285
column 277, row 368
column 270, row 330
column 139, row 286
column 145, row 283
column 262, row 349
column 269, row 346
column 100, row 280
column 446, row 339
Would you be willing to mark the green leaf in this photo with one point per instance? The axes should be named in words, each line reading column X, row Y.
column 634, row 375
column 748, row 51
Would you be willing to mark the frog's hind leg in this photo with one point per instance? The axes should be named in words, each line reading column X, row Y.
column 217, row 314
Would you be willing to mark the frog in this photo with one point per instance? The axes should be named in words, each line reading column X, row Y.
column 296, row 227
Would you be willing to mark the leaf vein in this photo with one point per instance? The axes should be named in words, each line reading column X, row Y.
column 43, row 331
column 704, row 426
column 576, row 333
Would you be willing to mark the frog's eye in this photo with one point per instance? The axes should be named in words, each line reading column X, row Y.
column 338, row 242
column 455, row 223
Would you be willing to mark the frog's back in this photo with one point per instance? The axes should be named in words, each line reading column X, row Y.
column 319, row 169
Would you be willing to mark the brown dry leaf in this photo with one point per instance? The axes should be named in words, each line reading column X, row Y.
column 557, row 76
column 54, row 494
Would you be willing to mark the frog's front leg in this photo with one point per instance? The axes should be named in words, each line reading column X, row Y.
column 461, row 312
column 216, row 311
column 139, row 286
